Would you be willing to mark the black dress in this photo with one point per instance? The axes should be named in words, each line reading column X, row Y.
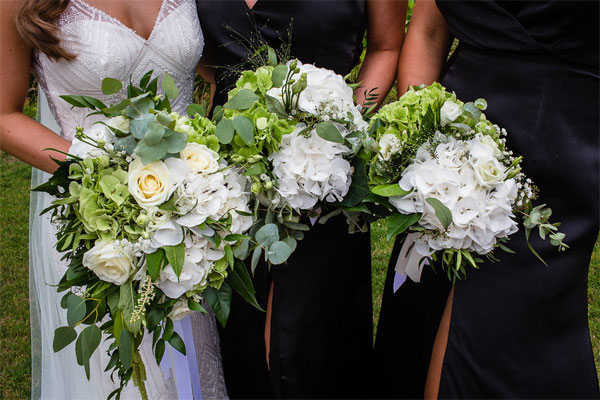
column 518, row 329
column 321, row 337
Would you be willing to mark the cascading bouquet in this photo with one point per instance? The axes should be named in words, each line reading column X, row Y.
column 295, row 130
column 149, row 216
column 446, row 173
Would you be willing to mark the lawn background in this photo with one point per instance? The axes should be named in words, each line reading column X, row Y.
column 14, row 305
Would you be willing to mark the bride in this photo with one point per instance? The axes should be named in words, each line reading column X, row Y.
column 71, row 46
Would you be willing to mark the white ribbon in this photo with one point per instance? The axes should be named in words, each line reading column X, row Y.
column 409, row 263
column 183, row 367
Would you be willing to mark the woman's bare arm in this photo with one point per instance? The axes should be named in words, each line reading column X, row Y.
column 21, row 136
column 425, row 48
column 385, row 32
column 206, row 69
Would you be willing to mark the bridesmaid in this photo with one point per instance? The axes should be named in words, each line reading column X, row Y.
column 513, row 329
column 316, row 338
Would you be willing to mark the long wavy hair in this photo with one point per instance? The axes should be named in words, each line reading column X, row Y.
column 36, row 23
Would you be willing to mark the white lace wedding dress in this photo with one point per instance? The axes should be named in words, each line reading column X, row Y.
column 105, row 47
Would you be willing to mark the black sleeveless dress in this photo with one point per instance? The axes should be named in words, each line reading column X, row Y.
column 321, row 338
column 518, row 329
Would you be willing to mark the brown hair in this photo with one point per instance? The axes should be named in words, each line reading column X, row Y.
column 36, row 23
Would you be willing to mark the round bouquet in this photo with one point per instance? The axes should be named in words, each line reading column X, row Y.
column 446, row 173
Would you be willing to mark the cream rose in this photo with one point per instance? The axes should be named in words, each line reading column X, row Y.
column 200, row 158
column 111, row 263
column 488, row 172
column 151, row 184
column 180, row 310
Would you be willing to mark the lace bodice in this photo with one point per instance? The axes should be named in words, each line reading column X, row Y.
column 105, row 47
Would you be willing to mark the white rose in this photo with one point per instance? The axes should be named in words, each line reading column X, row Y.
column 389, row 145
column 153, row 184
column 488, row 172
column 449, row 112
column 119, row 122
column 200, row 158
column 180, row 310
column 491, row 143
column 111, row 263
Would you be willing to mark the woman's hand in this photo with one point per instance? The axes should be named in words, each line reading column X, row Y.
column 425, row 48
column 21, row 136
column 385, row 32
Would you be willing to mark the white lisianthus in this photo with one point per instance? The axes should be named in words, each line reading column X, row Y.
column 109, row 261
column 119, row 122
column 97, row 133
column 309, row 169
column 157, row 217
column 200, row 158
column 180, row 310
column 153, row 184
column 169, row 233
column 449, row 112
column 389, row 145
column 490, row 142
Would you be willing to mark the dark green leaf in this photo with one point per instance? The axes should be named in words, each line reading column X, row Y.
column 125, row 348
column 111, row 86
column 240, row 281
column 328, row 131
column 398, row 223
column 63, row 336
column 359, row 189
column 145, row 79
column 443, row 214
column 169, row 328
column 86, row 344
column 177, row 343
column 75, row 310
column 256, row 169
column 176, row 257
column 390, row 190
column 195, row 306
column 159, row 351
column 154, row 263
column 219, row 301
column 243, row 100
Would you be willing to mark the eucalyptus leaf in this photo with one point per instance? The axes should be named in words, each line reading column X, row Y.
column 255, row 258
column 242, row 250
column 296, row 226
column 224, row 131
column 63, row 336
column 194, row 109
column 169, row 87
column 138, row 126
column 176, row 142
column 328, row 131
column 75, row 310
column 151, row 153
column 86, row 344
column 245, row 128
column 154, row 133
column 267, row 235
column 290, row 241
column 243, row 100
column 274, row 106
column 279, row 252
column 111, row 86
column 278, row 75
column 126, row 144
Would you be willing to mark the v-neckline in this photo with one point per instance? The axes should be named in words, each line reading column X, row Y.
column 248, row 7
column 122, row 24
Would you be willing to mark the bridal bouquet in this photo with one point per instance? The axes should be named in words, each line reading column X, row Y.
column 149, row 216
column 446, row 173
column 296, row 131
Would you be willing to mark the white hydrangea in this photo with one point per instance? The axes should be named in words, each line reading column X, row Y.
column 468, row 179
column 309, row 169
